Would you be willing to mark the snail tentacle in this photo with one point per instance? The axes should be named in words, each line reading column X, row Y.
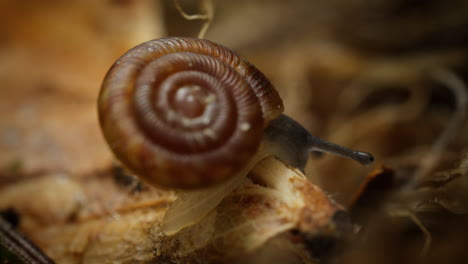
column 294, row 144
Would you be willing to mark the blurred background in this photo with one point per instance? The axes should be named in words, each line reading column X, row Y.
column 384, row 76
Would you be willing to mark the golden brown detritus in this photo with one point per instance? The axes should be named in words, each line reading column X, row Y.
column 275, row 206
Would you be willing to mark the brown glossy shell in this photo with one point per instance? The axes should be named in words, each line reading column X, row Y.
column 184, row 112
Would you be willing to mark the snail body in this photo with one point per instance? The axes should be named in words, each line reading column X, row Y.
column 192, row 115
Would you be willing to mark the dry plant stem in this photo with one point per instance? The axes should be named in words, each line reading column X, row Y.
column 459, row 90
column 20, row 247
column 416, row 221
column 273, row 200
column 208, row 9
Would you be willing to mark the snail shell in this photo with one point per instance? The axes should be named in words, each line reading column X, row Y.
column 185, row 113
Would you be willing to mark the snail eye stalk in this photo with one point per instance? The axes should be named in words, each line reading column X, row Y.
column 295, row 143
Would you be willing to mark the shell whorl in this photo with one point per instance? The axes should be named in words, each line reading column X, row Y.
column 184, row 112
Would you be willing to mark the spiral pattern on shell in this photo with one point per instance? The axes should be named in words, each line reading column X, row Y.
column 184, row 112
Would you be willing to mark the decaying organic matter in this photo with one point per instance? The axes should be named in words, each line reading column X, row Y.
column 274, row 205
column 384, row 76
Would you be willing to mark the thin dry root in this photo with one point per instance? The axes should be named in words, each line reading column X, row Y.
column 417, row 222
column 208, row 14
column 459, row 89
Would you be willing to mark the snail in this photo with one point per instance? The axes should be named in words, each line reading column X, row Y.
column 192, row 115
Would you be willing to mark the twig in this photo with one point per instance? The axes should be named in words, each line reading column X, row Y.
column 208, row 9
